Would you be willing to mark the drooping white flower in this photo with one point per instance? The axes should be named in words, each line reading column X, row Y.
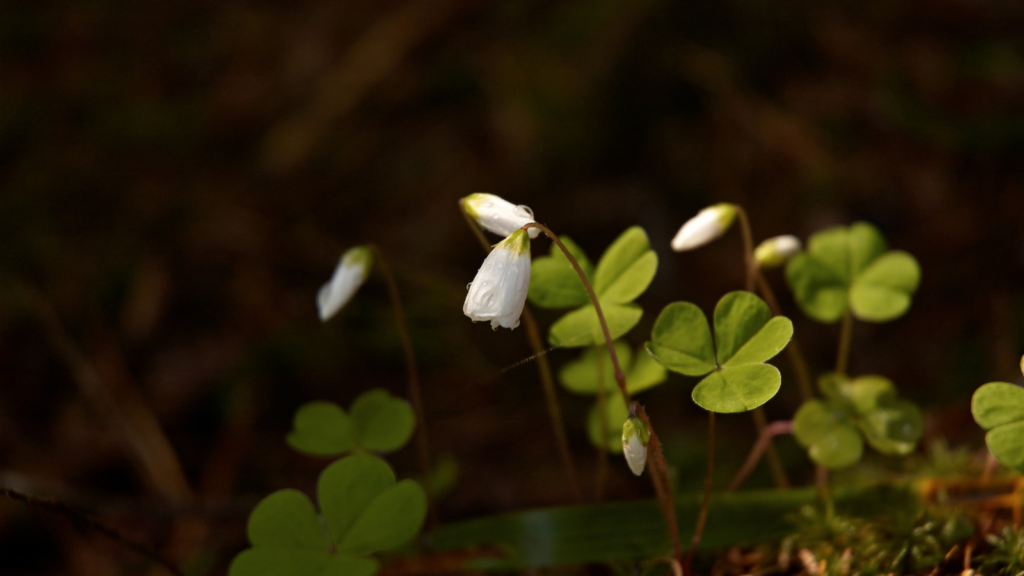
column 498, row 293
column 349, row 275
column 497, row 215
column 635, row 436
column 707, row 225
column 776, row 251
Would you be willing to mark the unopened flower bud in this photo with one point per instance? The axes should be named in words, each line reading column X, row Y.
column 776, row 251
column 635, row 436
column 709, row 224
column 497, row 215
column 498, row 293
column 349, row 275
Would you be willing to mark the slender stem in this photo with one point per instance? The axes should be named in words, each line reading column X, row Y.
column 703, row 516
column 774, row 463
column 793, row 350
column 81, row 519
column 602, row 447
column 845, row 335
column 546, row 379
column 753, row 273
column 748, row 247
column 551, row 399
column 620, row 377
column 661, row 483
column 412, row 374
column 770, row 431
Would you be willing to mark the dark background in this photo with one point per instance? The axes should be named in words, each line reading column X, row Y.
column 177, row 179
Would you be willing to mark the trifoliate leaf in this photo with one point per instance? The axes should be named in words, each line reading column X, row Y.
column 745, row 337
column 848, row 267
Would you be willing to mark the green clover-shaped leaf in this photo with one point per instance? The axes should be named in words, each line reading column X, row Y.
column 854, row 410
column 379, row 422
column 363, row 510
column 554, row 282
column 625, row 270
column 999, row 408
column 641, row 370
column 745, row 337
column 848, row 267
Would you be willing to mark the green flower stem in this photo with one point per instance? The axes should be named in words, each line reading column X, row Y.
column 546, row 379
column 602, row 447
column 702, row 517
column 412, row 374
column 748, row 247
column 793, row 350
column 551, row 399
column 777, row 428
column 845, row 335
column 660, row 476
column 752, row 273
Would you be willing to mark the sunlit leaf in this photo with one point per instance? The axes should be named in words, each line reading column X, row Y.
column 999, row 408
column 884, row 290
column 554, row 282
column 848, row 267
column 737, row 388
column 681, row 340
column 581, row 328
column 626, row 268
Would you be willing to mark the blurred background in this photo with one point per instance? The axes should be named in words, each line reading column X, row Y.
column 177, row 180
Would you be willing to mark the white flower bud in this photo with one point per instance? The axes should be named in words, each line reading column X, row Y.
column 707, row 225
column 349, row 275
column 498, row 293
column 497, row 215
column 635, row 436
column 775, row 251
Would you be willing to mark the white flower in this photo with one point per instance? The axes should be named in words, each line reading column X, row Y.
column 497, row 215
column 349, row 275
column 498, row 293
column 775, row 251
column 635, row 436
column 707, row 225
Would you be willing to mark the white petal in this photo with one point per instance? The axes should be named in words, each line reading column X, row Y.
column 498, row 292
column 707, row 225
column 636, row 454
column 349, row 275
column 497, row 215
column 775, row 251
